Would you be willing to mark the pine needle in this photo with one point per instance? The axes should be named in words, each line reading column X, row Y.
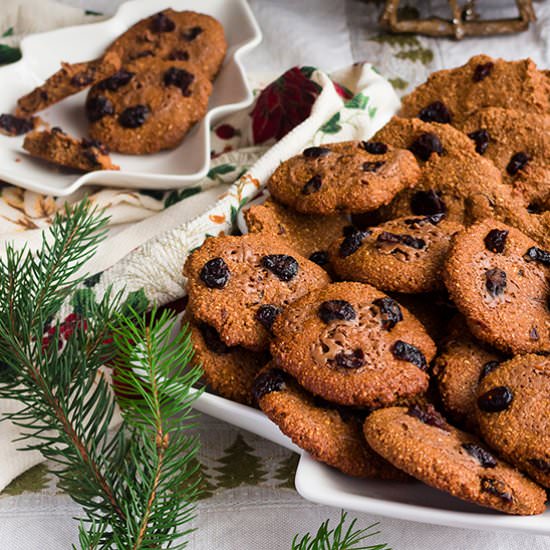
column 339, row 538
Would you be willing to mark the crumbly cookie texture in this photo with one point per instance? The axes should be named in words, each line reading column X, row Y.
column 449, row 96
column 518, row 143
column 343, row 177
column 353, row 345
column 458, row 368
column 401, row 255
column 175, row 36
column 331, row 435
column 420, row 442
column 239, row 285
column 69, row 80
column 309, row 235
column 499, row 280
column 59, row 148
column 228, row 371
column 513, row 410
column 148, row 106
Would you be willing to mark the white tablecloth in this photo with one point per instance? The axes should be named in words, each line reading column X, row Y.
column 259, row 509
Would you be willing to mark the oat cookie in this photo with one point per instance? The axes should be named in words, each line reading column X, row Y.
column 460, row 365
column 402, row 255
column 351, row 177
column 148, row 106
column 230, row 372
column 175, row 36
column 420, row 442
column 449, row 96
column 59, row 148
column 239, row 285
column 329, row 434
column 518, row 143
column 498, row 279
column 353, row 345
column 69, row 80
column 513, row 408
column 309, row 235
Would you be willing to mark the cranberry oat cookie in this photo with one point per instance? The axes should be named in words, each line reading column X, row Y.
column 229, row 371
column 449, row 96
column 59, row 148
column 353, row 345
column 402, row 255
column 310, row 236
column 519, row 145
column 149, row 106
column 420, row 442
column 69, row 80
column 351, row 177
column 175, row 36
column 499, row 280
column 329, row 434
column 239, row 285
column 513, row 408
column 459, row 367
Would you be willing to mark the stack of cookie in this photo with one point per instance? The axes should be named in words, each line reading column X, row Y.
column 388, row 308
column 148, row 89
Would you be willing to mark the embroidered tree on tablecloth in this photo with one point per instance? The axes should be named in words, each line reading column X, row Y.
column 240, row 466
column 286, row 471
column 206, row 488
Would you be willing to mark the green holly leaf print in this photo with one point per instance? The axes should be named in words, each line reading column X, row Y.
column 307, row 71
column 235, row 211
column 9, row 32
column 372, row 111
column 9, row 54
column 92, row 12
column 220, row 171
column 137, row 301
column 31, row 481
column 332, row 126
column 358, row 101
column 177, row 196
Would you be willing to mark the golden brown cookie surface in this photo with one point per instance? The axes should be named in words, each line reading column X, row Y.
column 148, row 106
column 420, row 442
column 175, row 36
column 351, row 177
column 513, row 409
column 499, row 280
column 353, row 345
column 239, row 285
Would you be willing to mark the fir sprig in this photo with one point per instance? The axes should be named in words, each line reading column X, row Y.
column 134, row 486
column 339, row 538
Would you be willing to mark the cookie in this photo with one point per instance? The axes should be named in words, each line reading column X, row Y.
column 228, row 371
column 498, row 279
column 175, row 36
column 11, row 125
column 59, row 148
column 402, row 255
column 458, row 368
column 351, row 177
column 513, row 408
column 518, row 143
column 238, row 285
column 333, row 436
column 449, row 96
column 353, row 345
column 421, row 443
column 455, row 179
column 69, row 80
column 310, row 236
column 147, row 107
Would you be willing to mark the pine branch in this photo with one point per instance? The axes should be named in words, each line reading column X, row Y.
column 134, row 486
column 338, row 538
